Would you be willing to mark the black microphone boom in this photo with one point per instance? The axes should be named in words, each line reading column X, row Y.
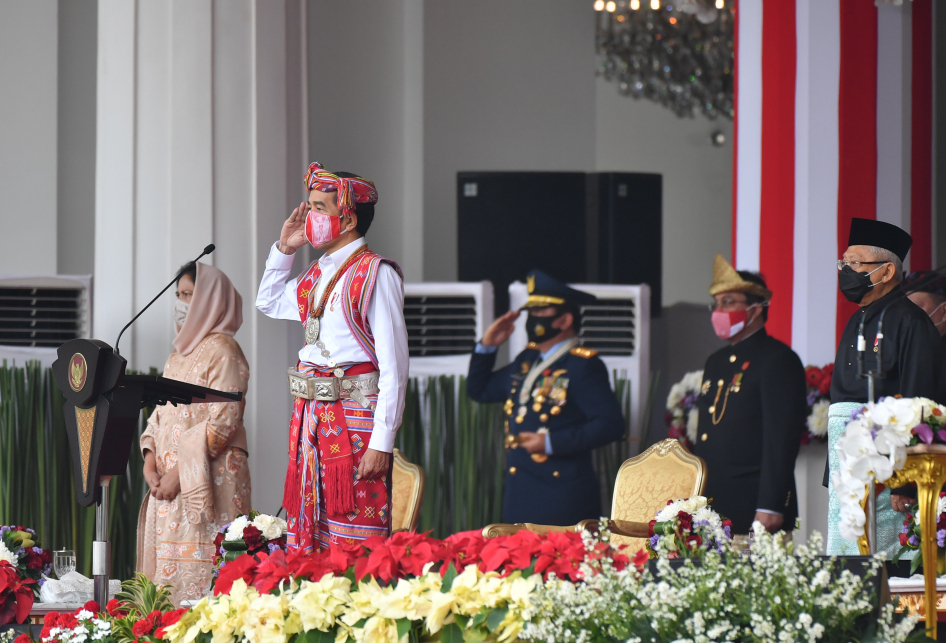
column 207, row 250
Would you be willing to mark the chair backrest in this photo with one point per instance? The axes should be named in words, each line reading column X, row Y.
column 407, row 491
column 644, row 484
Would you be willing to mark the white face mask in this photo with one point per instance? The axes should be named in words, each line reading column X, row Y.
column 180, row 311
column 934, row 312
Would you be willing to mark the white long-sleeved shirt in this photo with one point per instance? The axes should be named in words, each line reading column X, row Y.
column 385, row 317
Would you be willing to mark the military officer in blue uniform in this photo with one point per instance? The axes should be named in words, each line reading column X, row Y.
column 559, row 406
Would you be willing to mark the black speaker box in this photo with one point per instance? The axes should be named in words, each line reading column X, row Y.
column 580, row 228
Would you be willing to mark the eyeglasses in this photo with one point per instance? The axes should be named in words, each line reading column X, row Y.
column 857, row 264
column 726, row 302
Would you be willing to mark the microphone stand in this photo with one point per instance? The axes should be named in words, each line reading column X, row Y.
column 207, row 250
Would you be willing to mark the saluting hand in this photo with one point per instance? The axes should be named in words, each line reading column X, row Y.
column 500, row 330
column 292, row 236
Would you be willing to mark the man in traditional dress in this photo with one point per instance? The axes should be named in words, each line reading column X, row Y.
column 752, row 408
column 559, row 407
column 870, row 275
column 352, row 373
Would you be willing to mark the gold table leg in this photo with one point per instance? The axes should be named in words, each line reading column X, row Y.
column 928, row 470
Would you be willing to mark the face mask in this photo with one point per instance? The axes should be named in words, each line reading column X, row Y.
column 180, row 312
column 539, row 329
column 321, row 228
column 934, row 312
column 854, row 285
column 729, row 323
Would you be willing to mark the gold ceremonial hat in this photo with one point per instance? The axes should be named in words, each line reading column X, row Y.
column 726, row 279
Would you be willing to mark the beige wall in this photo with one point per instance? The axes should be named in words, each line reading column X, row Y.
column 642, row 136
column 28, row 136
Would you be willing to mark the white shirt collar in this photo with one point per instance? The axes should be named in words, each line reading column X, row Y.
column 340, row 256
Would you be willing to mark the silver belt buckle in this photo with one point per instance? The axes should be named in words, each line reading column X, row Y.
column 325, row 389
column 299, row 385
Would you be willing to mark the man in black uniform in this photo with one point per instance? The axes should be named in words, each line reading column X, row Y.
column 871, row 275
column 559, row 407
column 752, row 408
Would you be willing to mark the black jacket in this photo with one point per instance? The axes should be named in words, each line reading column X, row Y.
column 564, row 489
column 756, row 392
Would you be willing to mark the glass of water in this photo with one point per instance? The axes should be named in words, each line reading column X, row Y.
column 64, row 561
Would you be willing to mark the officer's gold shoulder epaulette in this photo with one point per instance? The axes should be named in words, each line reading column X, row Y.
column 581, row 351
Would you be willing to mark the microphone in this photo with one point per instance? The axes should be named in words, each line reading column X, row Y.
column 207, row 250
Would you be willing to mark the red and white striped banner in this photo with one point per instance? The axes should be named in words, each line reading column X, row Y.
column 834, row 108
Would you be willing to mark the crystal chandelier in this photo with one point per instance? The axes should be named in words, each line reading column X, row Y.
column 678, row 54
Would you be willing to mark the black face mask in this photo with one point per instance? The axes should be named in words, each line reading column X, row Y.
column 854, row 285
column 539, row 329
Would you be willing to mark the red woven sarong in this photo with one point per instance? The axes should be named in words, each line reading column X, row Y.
column 323, row 500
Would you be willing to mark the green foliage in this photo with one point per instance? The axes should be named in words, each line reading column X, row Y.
column 140, row 597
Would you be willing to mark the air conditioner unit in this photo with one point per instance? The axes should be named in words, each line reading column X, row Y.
column 39, row 314
column 617, row 326
column 444, row 320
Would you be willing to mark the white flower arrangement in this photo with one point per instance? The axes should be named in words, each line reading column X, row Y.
column 272, row 527
column 88, row 628
column 700, row 529
column 7, row 555
column 803, row 598
column 681, row 405
column 874, row 446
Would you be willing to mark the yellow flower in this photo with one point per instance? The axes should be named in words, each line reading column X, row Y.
column 319, row 604
column 24, row 538
column 405, row 600
column 363, row 603
column 265, row 620
column 441, row 609
column 377, row 630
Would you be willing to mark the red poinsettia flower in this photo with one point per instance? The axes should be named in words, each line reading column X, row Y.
column 167, row 620
column 243, row 567
column 271, row 571
column 561, row 554
column 640, row 559
column 16, row 595
column 253, row 537
column 462, row 549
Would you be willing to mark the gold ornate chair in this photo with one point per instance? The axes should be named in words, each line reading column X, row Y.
column 407, row 491
column 644, row 484
column 647, row 481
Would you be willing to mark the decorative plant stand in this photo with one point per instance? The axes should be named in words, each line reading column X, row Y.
column 926, row 466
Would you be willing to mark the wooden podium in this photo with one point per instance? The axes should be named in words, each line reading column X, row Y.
column 101, row 413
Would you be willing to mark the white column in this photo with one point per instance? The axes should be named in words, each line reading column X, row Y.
column 816, row 180
column 894, row 113
column 749, row 137
column 199, row 108
column 28, row 136
column 114, row 285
